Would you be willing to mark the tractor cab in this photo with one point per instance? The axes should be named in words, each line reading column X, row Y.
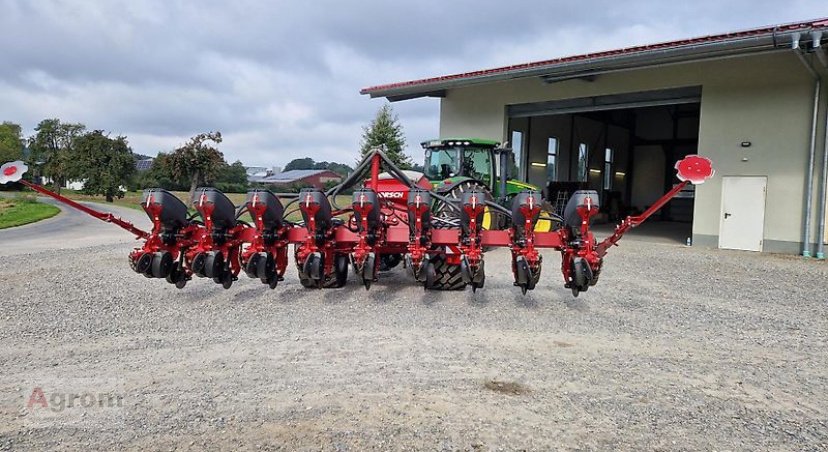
column 455, row 166
column 457, row 161
column 449, row 161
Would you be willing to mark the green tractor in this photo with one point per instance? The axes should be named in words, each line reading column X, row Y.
column 456, row 165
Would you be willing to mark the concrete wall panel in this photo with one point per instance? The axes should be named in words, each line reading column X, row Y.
column 764, row 99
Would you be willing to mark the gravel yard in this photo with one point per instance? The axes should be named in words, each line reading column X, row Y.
column 675, row 348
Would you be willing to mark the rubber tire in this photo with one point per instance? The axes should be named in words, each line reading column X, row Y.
column 175, row 273
column 448, row 277
column 143, row 264
column 340, row 278
column 369, row 270
column 198, row 264
column 162, row 264
column 498, row 220
column 266, row 268
column 456, row 194
column 306, row 282
column 580, row 274
column 341, row 264
column 251, row 269
column 389, row 261
column 214, row 265
column 226, row 280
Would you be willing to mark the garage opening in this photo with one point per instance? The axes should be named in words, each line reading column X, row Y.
column 623, row 146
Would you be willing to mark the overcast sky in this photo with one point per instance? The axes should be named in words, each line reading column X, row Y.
column 281, row 80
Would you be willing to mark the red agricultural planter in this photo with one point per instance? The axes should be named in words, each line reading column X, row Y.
column 389, row 221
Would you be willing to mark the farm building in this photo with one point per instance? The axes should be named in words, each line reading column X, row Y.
column 752, row 101
column 259, row 172
column 310, row 178
column 144, row 164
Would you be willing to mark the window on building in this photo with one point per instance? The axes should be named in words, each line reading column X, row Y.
column 608, row 157
column 517, row 153
column 583, row 162
column 552, row 159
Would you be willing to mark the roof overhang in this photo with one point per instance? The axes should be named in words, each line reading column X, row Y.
column 586, row 67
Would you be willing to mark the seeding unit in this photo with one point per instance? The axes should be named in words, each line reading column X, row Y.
column 390, row 220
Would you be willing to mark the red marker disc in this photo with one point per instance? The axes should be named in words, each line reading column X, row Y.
column 695, row 169
column 12, row 171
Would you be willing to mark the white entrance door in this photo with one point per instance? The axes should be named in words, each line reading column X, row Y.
column 743, row 212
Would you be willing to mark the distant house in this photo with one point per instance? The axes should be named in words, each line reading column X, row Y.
column 76, row 185
column 313, row 178
column 255, row 173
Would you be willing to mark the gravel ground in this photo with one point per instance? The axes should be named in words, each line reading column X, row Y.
column 675, row 349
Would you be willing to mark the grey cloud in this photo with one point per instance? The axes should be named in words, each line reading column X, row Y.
column 281, row 79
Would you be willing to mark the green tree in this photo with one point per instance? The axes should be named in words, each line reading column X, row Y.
column 233, row 174
column 104, row 164
column 232, row 178
column 51, row 149
column 197, row 161
column 159, row 175
column 303, row 163
column 11, row 142
column 309, row 163
column 386, row 132
column 339, row 168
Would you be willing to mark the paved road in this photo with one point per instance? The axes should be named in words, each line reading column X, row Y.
column 71, row 229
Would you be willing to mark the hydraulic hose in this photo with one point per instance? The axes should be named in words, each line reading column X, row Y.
column 353, row 178
column 396, row 171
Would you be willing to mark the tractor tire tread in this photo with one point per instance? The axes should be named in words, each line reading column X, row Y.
column 449, row 276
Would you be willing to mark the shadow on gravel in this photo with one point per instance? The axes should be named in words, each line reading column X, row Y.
column 196, row 291
column 526, row 301
column 478, row 299
column 430, row 297
column 576, row 304
column 336, row 296
column 250, row 293
column 380, row 294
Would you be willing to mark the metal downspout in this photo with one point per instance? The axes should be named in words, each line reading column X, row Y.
column 820, row 253
column 809, row 176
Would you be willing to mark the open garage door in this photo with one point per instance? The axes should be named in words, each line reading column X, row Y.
column 677, row 96
column 624, row 146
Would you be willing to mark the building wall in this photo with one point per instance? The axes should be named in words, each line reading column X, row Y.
column 764, row 99
column 319, row 180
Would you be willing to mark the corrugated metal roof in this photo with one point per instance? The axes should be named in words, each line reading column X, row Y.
column 287, row 177
column 144, row 164
column 435, row 86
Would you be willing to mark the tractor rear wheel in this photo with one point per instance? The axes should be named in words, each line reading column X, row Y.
column 492, row 219
column 389, row 261
column 440, row 275
column 339, row 279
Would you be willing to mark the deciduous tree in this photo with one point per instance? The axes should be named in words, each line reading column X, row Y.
column 232, row 178
column 197, row 161
column 11, row 142
column 300, row 164
column 104, row 164
column 51, row 149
